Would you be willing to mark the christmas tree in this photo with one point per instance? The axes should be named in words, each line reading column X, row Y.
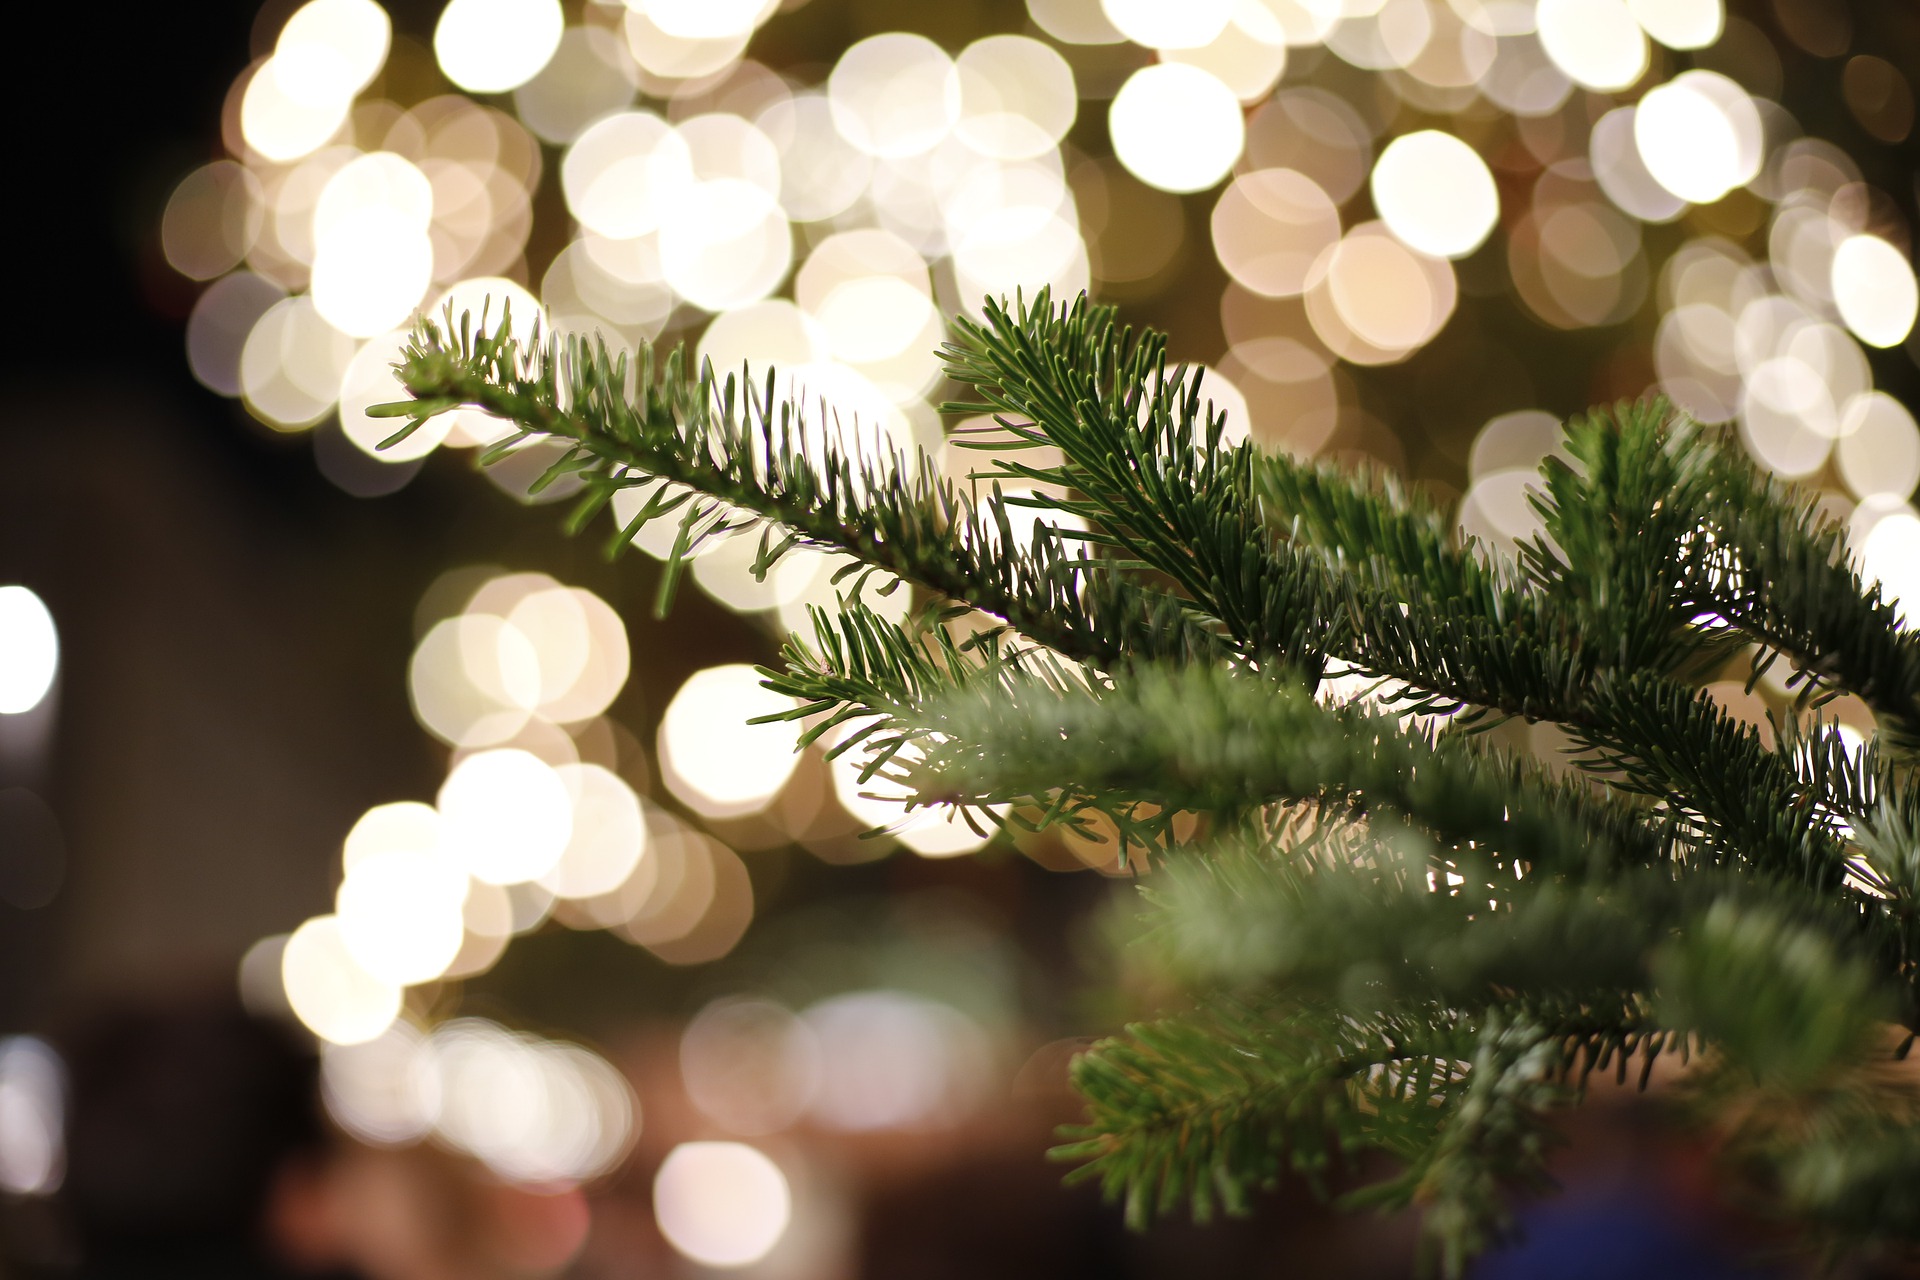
column 1281, row 688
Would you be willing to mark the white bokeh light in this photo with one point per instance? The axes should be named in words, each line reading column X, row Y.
column 1176, row 128
column 508, row 815
column 491, row 46
column 1435, row 193
column 29, row 650
column 722, row 1204
column 1596, row 42
column 711, row 758
column 1699, row 136
column 329, row 991
column 1873, row 285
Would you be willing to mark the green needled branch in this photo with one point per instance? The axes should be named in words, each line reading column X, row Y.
column 1384, row 934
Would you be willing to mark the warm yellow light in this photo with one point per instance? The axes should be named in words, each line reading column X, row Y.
column 330, row 49
column 292, row 364
column 725, row 243
column 609, row 834
column 710, row 757
column 1680, row 24
column 29, row 650
column 508, row 816
column 1879, row 447
column 329, row 991
column 368, row 381
column 1017, row 97
column 722, row 1204
column 894, row 95
column 705, row 19
column 1249, row 62
column 1270, row 226
column 1435, row 193
column 1891, row 556
column 405, row 826
column 1699, row 135
column 624, row 172
column 491, row 46
column 1176, row 128
column 1873, row 285
column 400, row 914
column 1160, row 25
column 1596, row 42
column 278, row 124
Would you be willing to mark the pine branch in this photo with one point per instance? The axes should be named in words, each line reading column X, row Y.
column 729, row 454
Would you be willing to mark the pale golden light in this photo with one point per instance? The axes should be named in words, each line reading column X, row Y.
column 328, row 990
column 1435, row 193
column 1176, row 127
column 491, row 46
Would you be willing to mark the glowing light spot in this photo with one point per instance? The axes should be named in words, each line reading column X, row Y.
column 1246, row 63
column 749, row 1065
column 473, row 680
column 1874, row 288
column 1435, row 193
column 1159, row 25
column 399, row 914
column 1074, row 21
column 1388, row 296
column 895, row 95
column 1623, row 176
column 1176, row 128
column 328, row 990
column 508, row 815
column 377, row 1090
column 331, row 49
column 369, row 381
column 1017, row 97
column 292, row 364
column 1596, row 42
column 535, row 1111
column 29, row 650
column 705, row 19
column 890, row 1060
column 1680, row 24
column 609, row 834
column 278, row 124
column 405, row 826
column 33, row 1108
column 711, row 758
column 624, row 173
column 723, row 1204
column 725, row 243
column 491, row 46
column 1879, row 448
column 373, row 259
column 1891, row 556
column 672, row 57
column 588, row 76
column 1699, row 135
column 212, row 220
column 822, row 174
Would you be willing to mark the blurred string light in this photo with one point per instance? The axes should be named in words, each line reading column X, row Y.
column 721, row 1204
column 33, row 1107
column 831, row 225
column 29, row 650
column 536, row 1111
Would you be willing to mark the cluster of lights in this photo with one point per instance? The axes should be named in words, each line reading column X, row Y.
column 535, row 1111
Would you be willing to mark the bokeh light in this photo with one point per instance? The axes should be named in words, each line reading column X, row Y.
column 29, row 650
column 491, row 46
column 1176, row 127
column 1435, row 193
column 329, row 991
column 722, row 1204
column 508, row 815
column 710, row 757
column 33, row 1109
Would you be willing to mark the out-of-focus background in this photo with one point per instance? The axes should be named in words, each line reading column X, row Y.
column 386, row 889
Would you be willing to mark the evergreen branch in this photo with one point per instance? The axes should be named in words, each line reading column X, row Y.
column 1217, row 740
column 732, row 454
